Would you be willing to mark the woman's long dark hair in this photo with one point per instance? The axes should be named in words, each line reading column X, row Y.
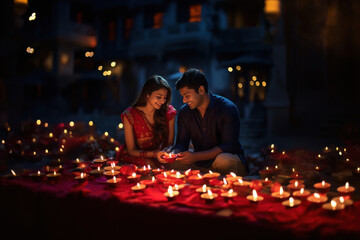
column 160, row 128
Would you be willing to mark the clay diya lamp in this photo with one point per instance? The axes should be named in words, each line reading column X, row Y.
column 291, row 202
column 196, row 179
column 209, row 197
column 281, row 194
column 229, row 195
column 210, row 175
column 134, row 178
column 169, row 158
column 143, row 170
column 254, row 198
column 346, row 189
column 301, row 194
column 322, row 187
column 171, row 194
column 317, row 198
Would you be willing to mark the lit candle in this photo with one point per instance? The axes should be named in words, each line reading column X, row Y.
column 317, row 198
column 97, row 171
column 231, row 178
column 149, row 182
column 138, row 187
column 157, row 171
column 170, row 194
column 170, row 157
column 134, row 177
column 179, row 187
column 322, row 187
column 333, row 206
column 112, row 167
column 295, row 186
column 37, row 176
column 301, row 193
column 281, row 194
column 229, row 195
column 346, row 190
column 254, row 197
column 178, row 175
column 343, row 200
column 100, row 160
column 143, row 171
column 113, row 182
column 326, row 149
column 209, row 196
column 291, row 202
column 241, row 186
column 211, row 175
column 196, row 179
column 81, row 178
column 53, row 175
column 202, row 189
column 266, row 182
column 110, row 174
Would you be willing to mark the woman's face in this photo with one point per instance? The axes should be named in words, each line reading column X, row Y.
column 157, row 98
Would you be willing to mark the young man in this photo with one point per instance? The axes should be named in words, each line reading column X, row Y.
column 212, row 123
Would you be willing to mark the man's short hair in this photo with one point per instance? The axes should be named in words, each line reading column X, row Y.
column 193, row 79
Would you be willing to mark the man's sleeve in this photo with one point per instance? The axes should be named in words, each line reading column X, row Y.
column 183, row 134
column 230, row 128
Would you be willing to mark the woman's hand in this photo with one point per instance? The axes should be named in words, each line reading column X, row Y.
column 159, row 156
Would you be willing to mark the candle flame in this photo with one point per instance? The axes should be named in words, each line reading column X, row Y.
column 13, row 172
column 165, row 175
column 77, row 160
column 291, row 202
column 199, row 175
column 266, row 179
column 254, row 194
column 114, row 178
column 144, row 168
column 149, row 167
column 54, row 173
column 341, row 199
column 272, row 145
column 187, row 171
column 225, row 182
column 346, row 185
column 112, row 165
column 176, row 187
column 302, row 191
column 177, row 174
column 153, row 179
column 113, row 172
column 233, row 174
column 210, row 172
column 204, row 188
column 267, row 168
column 333, row 204
column 316, row 195
column 138, row 185
column 170, row 191
column 209, row 193
column 230, row 191
column 240, row 181
column 98, row 168
column 102, row 158
column 319, row 155
column 133, row 174
column 38, row 173
column 296, row 183
column 82, row 175
column 281, row 191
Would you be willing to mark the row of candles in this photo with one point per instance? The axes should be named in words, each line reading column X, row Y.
column 234, row 184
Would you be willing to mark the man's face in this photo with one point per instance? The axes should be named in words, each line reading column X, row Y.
column 192, row 98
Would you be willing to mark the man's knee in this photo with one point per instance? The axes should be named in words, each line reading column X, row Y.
column 225, row 163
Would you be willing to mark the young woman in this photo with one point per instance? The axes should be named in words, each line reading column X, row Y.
column 149, row 124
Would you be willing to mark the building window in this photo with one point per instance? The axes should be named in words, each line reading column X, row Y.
column 127, row 28
column 158, row 20
column 195, row 13
column 111, row 31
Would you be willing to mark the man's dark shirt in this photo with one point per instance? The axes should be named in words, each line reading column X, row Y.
column 219, row 127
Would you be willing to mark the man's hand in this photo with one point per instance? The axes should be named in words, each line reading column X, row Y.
column 186, row 157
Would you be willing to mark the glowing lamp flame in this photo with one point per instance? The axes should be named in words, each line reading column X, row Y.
column 346, row 185
column 291, row 202
column 138, row 185
column 98, row 168
column 302, row 191
column 341, row 199
column 13, row 172
column 54, row 173
column 170, row 191
column 199, row 175
column 296, row 184
column 323, row 183
column 225, row 182
column 82, row 175
column 333, row 204
column 102, row 158
column 149, row 167
column 178, row 175
column 165, row 175
column 38, row 173
column 210, row 172
column 133, row 174
column 254, row 193
column 233, row 174
column 240, row 181
column 210, row 193
column 113, row 172
column 114, row 178
column 316, row 195
column 266, row 179
column 230, row 191
column 153, row 179
column 281, row 191
column 144, row 168
column 204, row 188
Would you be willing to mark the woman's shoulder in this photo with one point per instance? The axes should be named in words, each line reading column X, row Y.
column 129, row 113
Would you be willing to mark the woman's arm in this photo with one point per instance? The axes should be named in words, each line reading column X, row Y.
column 130, row 142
